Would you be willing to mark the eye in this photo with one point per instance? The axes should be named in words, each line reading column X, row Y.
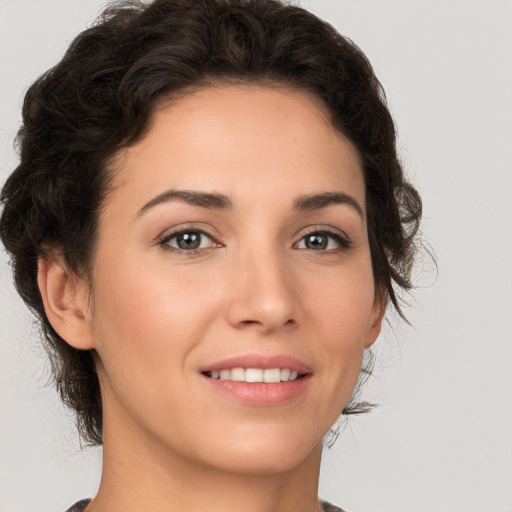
column 189, row 241
column 324, row 241
column 195, row 241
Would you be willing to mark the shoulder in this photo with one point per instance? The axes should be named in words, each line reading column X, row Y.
column 79, row 506
column 325, row 506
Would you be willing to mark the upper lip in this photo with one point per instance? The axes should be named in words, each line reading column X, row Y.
column 263, row 361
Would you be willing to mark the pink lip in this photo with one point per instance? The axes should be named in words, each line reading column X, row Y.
column 260, row 393
column 259, row 361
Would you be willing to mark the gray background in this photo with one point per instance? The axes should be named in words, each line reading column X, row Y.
column 442, row 438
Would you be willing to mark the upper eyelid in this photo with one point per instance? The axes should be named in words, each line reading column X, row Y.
column 184, row 228
column 325, row 229
column 172, row 234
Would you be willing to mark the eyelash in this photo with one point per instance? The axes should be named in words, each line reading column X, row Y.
column 344, row 242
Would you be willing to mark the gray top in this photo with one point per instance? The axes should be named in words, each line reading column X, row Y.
column 323, row 506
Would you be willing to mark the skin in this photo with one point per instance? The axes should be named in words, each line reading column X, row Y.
column 155, row 317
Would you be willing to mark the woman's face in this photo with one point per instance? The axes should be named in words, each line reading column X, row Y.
column 235, row 238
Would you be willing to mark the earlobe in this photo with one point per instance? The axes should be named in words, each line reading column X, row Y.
column 65, row 302
column 377, row 316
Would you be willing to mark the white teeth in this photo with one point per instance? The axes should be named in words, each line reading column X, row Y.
column 237, row 374
column 253, row 375
column 272, row 375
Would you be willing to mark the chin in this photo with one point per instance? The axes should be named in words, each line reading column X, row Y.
column 266, row 454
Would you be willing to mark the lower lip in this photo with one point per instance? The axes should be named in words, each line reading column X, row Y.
column 260, row 393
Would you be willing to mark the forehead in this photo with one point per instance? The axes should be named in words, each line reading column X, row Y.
column 245, row 140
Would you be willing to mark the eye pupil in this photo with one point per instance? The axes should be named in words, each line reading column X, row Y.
column 188, row 240
column 316, row 242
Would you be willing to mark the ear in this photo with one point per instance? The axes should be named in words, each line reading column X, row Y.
column 377, row 314
column 65, row 301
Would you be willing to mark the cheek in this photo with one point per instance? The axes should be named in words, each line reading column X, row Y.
column 343, row 315
column 146, row 326
column 146, row 313
column 169, row 307
column 344, row 303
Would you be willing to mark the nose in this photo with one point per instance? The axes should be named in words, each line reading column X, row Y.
column 262, row 292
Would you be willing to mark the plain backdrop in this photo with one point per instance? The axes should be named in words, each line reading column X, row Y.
column 442, row 438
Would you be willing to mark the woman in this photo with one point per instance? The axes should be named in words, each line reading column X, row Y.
column 209, row 219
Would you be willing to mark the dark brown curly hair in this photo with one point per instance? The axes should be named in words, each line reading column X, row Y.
column 99, row 98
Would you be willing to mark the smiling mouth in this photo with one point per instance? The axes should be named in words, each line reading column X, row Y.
column 254, row 375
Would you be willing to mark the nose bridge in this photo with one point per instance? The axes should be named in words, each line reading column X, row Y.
column 262, row 287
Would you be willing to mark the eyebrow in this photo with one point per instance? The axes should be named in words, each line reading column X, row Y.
column 217, row 201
